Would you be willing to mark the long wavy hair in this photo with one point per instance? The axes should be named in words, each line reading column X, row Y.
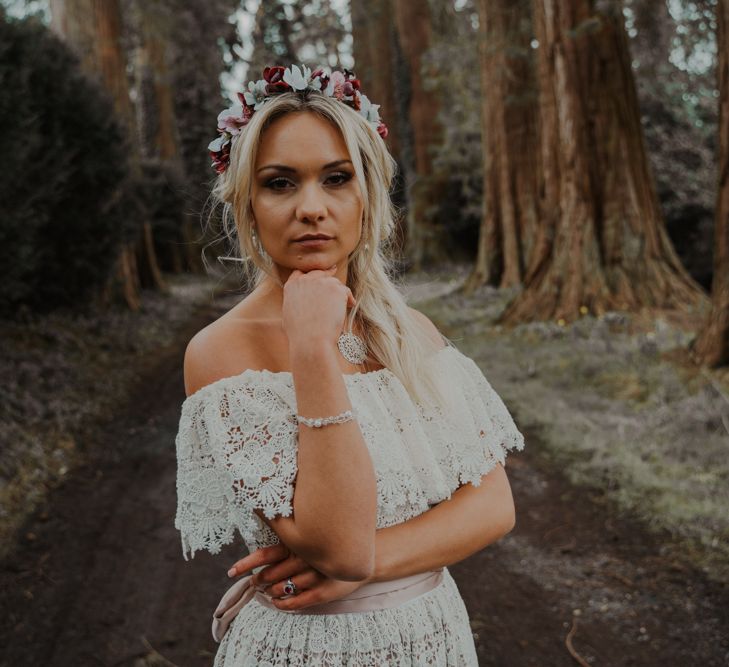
column 392, row 334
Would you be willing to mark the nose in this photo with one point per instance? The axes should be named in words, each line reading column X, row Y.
column 311, row 206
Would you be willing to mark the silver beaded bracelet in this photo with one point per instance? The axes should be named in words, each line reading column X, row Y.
column 317, row 422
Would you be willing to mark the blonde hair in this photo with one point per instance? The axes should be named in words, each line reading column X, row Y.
column 392, row 334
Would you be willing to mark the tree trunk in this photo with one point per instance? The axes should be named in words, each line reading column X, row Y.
column 653, row 18
column 414, row 31
column 156, row 114
column 375, row 58
column 509, row 138
column 602, row 243
column 710, row 347
column 92, row 28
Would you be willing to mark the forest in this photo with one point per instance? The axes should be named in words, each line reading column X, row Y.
column 562, row 197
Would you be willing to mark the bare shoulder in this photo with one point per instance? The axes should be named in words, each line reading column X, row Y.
column 428, row 327
column 224, row 348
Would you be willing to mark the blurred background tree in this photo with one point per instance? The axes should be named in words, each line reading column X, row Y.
column 463, row 88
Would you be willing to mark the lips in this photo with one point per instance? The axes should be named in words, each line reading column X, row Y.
column 313, row 237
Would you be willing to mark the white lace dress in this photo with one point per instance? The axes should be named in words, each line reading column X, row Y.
column 236, row 452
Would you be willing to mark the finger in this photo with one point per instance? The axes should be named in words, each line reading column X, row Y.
column 299, row 601
column 280, row 571
column 262, row 556
column 305, row 580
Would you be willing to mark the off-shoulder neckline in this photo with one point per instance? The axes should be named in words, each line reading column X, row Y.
column 264, row 372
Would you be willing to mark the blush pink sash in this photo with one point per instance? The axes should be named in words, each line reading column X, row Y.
column 372, row 596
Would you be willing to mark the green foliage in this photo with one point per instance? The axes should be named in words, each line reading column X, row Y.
column 62, row 188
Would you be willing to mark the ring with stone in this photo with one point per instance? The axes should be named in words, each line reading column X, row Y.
column 289, row 587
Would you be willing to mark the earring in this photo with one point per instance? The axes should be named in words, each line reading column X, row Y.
column 367, row 247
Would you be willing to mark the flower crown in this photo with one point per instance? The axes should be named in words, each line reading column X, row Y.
column 340, row 85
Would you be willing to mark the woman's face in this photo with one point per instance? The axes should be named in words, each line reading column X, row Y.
column 304, row 183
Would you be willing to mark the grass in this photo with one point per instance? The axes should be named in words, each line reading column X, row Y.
column 617, row 407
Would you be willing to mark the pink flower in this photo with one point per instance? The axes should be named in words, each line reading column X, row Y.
column 382, row 129
column 335, row 87
column 234, row 118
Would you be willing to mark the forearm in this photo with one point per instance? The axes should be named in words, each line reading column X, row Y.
column 471, row 519
column 336, row 479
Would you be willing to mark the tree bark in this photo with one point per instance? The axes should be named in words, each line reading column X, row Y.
column 414, row 31
column 375, row 56
column 92, row 28
column 602, row 243
column 509, row 139
column 710, row 346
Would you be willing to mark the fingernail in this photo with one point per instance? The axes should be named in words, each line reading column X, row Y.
column 231, row 572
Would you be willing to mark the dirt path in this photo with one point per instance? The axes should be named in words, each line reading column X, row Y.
column 100, row 579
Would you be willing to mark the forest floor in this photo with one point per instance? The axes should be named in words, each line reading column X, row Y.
column 98, row 578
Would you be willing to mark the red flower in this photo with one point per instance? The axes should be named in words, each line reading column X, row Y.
column 221, row 158
column 274, row 79
column 382, row 130
column 247, row 110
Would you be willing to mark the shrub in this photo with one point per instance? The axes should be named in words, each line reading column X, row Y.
column 63, row 182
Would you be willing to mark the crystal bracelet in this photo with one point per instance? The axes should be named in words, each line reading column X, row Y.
column 317, row 422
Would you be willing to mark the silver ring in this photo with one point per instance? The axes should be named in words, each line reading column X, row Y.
column 289, row 587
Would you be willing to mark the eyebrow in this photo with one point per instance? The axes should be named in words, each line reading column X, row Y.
column 283, row 167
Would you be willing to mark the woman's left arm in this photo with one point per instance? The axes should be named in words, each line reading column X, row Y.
column 472, row 518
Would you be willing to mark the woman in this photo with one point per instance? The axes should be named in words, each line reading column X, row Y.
column 324, row 382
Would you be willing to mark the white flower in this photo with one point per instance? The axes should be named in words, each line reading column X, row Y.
column 217, row 144
column 297, row 79
column 368, row 110
column 256, row 93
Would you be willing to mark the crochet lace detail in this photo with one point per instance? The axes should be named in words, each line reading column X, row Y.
column 237, row 445
column 432, row 629
column 237, row 453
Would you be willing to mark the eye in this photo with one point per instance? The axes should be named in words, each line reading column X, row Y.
column 279, row 183
column 341, row 176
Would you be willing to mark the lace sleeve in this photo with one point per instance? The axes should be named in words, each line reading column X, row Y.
column 492, row 422
column 236, row 453
column 477, row 430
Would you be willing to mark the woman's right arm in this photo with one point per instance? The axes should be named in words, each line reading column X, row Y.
column 335, row 503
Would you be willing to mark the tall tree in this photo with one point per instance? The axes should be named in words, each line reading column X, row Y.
column 414, row 20
column 710, row 347
column 602, row 243
column 272, row 36
column 154, row 26
column 509, row 139
column 376, row 63
column 93, row 30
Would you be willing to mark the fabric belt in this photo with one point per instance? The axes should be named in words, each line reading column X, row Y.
column 369, row 597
